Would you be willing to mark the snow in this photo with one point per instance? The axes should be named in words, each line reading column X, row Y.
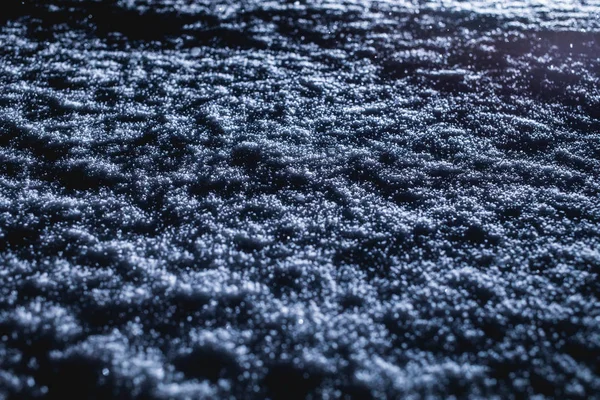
column 323, row 199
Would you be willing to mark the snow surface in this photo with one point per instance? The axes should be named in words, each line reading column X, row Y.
column 332, row 199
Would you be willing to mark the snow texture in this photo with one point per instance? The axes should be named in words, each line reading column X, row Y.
column 326, row 199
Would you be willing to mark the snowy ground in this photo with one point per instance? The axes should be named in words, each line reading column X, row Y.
column 323, row 198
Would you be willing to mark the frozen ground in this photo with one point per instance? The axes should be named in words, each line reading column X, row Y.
column 203, row 199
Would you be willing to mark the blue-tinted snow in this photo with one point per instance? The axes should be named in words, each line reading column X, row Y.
column 332, row 199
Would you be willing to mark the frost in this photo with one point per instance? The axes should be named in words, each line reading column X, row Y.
column 332, row 198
